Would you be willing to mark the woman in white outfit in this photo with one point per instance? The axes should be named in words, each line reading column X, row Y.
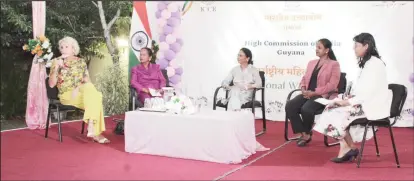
column 245, row 78
column 369, row 98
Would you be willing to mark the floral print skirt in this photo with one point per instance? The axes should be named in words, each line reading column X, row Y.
column 335, row 121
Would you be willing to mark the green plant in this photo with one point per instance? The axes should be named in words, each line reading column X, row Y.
column 14, row 76
column 113, row 83
column 78, row 19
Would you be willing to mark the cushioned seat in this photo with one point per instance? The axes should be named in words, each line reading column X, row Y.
column 244, row 106
column 54, row 103
column 365, row 121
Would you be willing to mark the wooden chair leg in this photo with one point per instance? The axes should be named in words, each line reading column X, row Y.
column 287, row 131
column 48, row 120
column 263, row 122
column 394, row 147
column 375, row 140
column 83, row 127
column 263, row 129
column 362, row 145
column 327, row 144
column 59, row 124
column 254, row 115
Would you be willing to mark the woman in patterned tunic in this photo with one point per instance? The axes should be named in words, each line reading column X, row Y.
column 245, row 78
column 70, row 74
column 370, row 98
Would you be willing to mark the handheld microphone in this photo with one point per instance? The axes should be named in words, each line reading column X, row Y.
column 347, row 90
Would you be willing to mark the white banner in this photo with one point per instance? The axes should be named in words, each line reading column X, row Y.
column 282, row 37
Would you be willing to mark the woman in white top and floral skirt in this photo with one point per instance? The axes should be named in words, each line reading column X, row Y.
column 369, row 98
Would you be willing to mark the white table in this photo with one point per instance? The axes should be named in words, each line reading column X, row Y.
column 215, row 136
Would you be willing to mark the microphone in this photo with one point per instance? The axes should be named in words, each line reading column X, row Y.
column 347, row 90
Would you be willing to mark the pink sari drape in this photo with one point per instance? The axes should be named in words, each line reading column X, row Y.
column 37, row 101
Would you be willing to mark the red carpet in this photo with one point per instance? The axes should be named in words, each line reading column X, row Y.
column 312, row 162
column 26, row 154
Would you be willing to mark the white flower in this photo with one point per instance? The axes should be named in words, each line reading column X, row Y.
column 48, row 56
column 49, row 64
column 45, row 44
column 49, row 50
column 180, row 105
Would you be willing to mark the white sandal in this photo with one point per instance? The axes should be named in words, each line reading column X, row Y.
column 90, row 135
column 103, row 140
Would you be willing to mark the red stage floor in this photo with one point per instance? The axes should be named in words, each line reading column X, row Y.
column 26, row 154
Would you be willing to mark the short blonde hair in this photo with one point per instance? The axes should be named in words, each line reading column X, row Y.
column 71, row 41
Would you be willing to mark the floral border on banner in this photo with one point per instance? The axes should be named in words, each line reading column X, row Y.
column 170, row 42
column 412, row 77
column 406, row 117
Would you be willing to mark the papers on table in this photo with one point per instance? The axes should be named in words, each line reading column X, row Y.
column 154, row 92
column 153, row 109
column 324, row 101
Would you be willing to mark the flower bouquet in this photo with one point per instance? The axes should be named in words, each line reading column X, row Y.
column 180, row 105
column 41, row 48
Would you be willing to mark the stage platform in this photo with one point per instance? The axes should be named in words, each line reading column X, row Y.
column 27, row 155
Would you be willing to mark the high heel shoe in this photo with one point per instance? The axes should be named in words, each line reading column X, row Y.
column 348, row 157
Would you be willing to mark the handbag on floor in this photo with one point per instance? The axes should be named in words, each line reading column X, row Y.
column 119, row 128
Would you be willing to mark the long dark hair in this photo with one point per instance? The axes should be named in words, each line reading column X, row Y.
column 328, row 44
column 248, row 54
column 367, row 39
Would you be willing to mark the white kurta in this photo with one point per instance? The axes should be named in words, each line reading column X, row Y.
column 372, row 100
column 239, row 94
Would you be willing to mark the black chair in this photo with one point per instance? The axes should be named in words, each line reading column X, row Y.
column 54, row 104
column 341, row 89
column 399, row 94
column 133, row 95
column 251, row 104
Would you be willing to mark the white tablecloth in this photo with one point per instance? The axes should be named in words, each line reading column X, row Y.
column 215, row 136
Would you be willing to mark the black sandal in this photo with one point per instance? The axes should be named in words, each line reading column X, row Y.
column 302, row 142
column 299, row 139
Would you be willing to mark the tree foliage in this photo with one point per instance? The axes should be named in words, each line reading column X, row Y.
column 78, row 19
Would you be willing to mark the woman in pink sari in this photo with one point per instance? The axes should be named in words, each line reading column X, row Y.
column 146, row 76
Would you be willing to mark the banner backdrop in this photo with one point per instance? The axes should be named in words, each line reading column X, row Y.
column 282, row 37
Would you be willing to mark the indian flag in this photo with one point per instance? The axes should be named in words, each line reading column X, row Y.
column 140, row 34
